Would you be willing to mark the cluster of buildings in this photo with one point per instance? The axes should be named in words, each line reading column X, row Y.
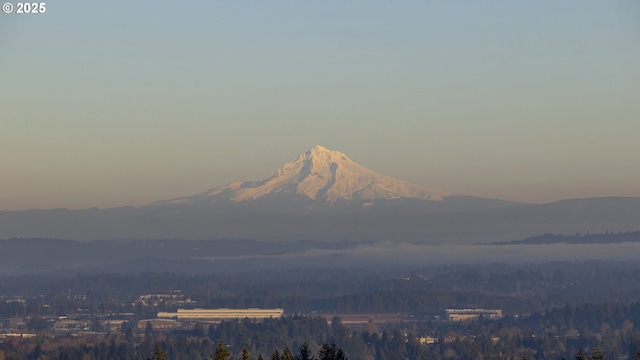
column 186, row 317
column 167, row 297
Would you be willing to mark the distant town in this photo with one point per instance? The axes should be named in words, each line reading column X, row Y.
column 543, row 311
column 82, row 322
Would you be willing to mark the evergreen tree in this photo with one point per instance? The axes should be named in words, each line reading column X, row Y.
column 287, row 355
column 597, row 354
column 148, row 329
column 245, row 354
column 159, row 354
column 222, row 353
column 128, row 334
column 305, row 353
column 331, row 352
column 327, row 352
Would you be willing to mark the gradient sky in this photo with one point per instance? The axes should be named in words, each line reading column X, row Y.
column 106, row 104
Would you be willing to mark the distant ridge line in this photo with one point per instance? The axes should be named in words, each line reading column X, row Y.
column 579, row 238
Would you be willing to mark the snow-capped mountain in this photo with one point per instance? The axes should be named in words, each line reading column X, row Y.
column 323, row 195
column 319, row 176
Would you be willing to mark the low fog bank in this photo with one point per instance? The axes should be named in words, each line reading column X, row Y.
column 46, row 256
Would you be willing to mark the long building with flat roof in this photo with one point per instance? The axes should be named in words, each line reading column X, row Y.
column 472, row 314
column 222, row 314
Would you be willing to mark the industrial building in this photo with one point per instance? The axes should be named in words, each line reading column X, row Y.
column 158, row 324
column 222, row 314
column 472, row 314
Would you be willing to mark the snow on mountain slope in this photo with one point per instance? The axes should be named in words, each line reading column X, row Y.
column 319, row 175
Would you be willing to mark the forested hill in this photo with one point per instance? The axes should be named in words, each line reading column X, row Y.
column 598, row 238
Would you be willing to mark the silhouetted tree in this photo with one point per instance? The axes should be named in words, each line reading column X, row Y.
column 159, row 354
column 275, row 355
column 222, row 353
column 597, row 354
column 148, row 329
column 330, row 352
column 305, row 353
column 245, row 354
column 287, row 355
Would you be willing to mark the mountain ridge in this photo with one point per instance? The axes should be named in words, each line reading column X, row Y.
column 321, row 176
column 322, row 195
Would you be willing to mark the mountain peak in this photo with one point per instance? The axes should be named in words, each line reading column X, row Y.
column 322, row 153
column 321, row 176
column 318, row 149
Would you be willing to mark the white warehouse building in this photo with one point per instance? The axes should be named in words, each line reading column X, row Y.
column 222, row 314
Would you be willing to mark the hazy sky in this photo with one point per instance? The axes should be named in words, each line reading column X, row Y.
column 105, row 104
